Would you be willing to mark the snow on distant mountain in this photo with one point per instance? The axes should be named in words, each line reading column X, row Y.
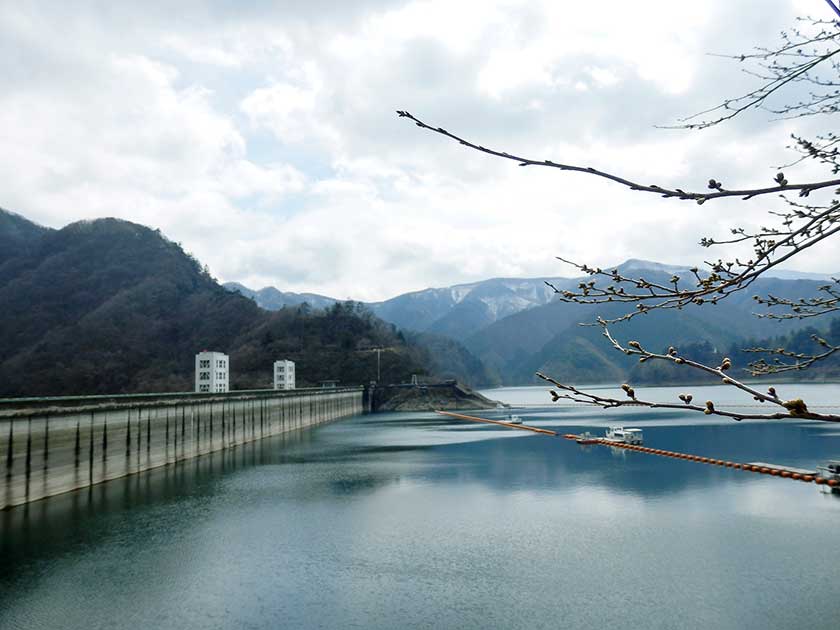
column 455, row 311
column 635, row 265
column 461, row 310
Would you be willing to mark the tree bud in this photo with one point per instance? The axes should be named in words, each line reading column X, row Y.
column 796, row 407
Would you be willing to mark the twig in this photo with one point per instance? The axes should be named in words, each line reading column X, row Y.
column 795, row 408
column 677, row 193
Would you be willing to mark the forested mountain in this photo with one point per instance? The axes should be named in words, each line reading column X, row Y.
column 550, row 338
column 445, row 357
column 449, row 359
column 271, row 299
column 109, row 306
column 463, row 310
column 514, row 327
column 17, row 235
column 799, row 341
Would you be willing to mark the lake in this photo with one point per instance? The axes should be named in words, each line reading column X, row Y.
column 415, row 520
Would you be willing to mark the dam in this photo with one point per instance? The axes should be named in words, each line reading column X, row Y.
column 54, row 445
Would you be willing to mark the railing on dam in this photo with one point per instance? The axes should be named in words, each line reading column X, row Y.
column 53, row 445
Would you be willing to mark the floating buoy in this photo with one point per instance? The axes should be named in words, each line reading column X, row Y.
column 763, row 470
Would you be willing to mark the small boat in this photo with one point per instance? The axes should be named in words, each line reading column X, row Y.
column 830, row 470
column 586, row 438
column 625, row 436
column 513, row 419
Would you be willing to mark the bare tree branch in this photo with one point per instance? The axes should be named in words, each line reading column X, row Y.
column 802, row 228
column 801, row 360
column 802, row 52
column 804, row 307
column 674, row 193
column 794, row 408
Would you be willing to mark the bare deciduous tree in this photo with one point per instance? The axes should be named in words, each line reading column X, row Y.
column 807, row 60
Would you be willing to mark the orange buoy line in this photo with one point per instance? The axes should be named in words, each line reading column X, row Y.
column 762, row 470
column 523, row 427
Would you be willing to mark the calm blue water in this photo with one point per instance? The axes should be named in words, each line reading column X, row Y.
column 416, row 521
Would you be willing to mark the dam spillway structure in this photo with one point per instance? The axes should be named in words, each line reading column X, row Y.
column 50, row 446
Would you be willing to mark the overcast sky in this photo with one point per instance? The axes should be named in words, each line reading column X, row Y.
column 264, row 138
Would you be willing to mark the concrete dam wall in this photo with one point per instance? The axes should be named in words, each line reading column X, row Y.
column 50, row 446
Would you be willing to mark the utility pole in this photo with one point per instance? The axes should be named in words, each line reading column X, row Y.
column 378, row 352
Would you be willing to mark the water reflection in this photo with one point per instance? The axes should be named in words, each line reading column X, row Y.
column 417, row 520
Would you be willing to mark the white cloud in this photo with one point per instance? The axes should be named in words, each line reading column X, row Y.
column 265, row 138
column 200, row 53
column 293, row 112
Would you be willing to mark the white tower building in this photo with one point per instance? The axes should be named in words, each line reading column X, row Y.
column 212, row 372
column 284, row 375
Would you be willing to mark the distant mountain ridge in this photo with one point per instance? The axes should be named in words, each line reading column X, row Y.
column 516, row 327
column 636, row 264
column 271, row 299
column 430, row 310
column 461, row 310
column 550, row 339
